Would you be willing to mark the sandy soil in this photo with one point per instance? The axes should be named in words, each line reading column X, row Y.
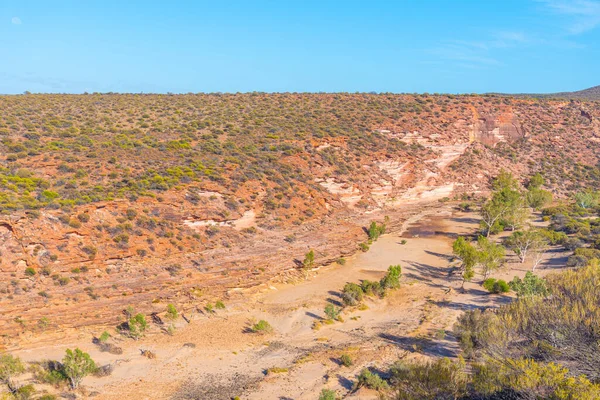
column 215, row 357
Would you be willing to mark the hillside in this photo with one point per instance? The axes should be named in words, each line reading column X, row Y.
column 592, row 93
column 112, row 200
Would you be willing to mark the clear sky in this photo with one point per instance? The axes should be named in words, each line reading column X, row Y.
column 299, row 45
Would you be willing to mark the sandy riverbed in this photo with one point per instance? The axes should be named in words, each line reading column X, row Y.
column 225, row 361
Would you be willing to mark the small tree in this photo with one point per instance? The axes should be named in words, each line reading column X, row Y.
column 309, row 259
column 352, row 294
column 391, row 280
column 490, row 255
column 77, row 365
column 9, row 368
column 523, row 243
column 586, row 199
column 327, row 394
column 530, row 285
column 331, row 311
column 496, row 286
column 375, row 230
column 172, row 313
column 536, row 181
column 468, row 256
column 137, row 326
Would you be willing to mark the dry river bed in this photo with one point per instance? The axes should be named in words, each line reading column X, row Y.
column 215, row 357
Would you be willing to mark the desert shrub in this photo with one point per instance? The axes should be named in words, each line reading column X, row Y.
column 529, row 379
column 30, row 271
column 391, row 280
column 104, row 336
column 433, row 380
column 555, row 328
column 346, row 360
column 262, row 326
column 10, row 367
column 364, row 247
column 352, row 294
column 331, row 311
column 77, row 365
column 496, row 286
column 375, row 230
column 371, row 288
column 219, row 305
column 327, row 394
column 309, row 259
column 370, row 380
column 172, row 313
column 530, row 285
column 136, row 326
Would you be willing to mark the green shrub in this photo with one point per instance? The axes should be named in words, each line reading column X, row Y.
column 30, row 271
column 346, row 360
column 104, row 336
column 331, row 311
column 375, row 230
column 219, row 305
column 371, row 288
column 530, row 285
column 136, row 326
column 392, row 279
column 262, row 326
column 438, row 379
column 370, row 380
column 172, row 313
column 352, row 294
column 496, row 286
column 76, row 365
column 327, row 394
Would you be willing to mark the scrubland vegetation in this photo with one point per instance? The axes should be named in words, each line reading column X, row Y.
column 543, row 344
column 226, row 154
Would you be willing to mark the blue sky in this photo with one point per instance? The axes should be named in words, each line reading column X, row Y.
column 291, row 45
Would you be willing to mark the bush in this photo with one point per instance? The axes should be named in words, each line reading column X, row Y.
column 346, row 360
column 392, row 279
column 77, row 365
column 371, row 288
column 496, row 286
column 172, row 313
column 530, row 285
column 309, row 259
column 352, row 294
column 219, row 305
column 327, row 394
column 262, row 326
column 375, row 230
column 9, row 367
column 370, row 380
column 331, row 311
column 136, row 326
column 104, row 336
column 439, row 379
column 29, row 271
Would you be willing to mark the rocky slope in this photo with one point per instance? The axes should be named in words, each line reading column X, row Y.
column 116, row 200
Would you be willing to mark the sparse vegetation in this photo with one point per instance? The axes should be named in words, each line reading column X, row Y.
column 76, row 365
column 262, row 326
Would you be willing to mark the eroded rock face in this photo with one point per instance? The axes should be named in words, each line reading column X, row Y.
column 492, row 129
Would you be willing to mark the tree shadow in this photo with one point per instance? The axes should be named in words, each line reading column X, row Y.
column 428, row 272
column 345, row 382
column 334, row 302
column 421, row 345
column 313, row 315
column 448, row 257
column 465, row 220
